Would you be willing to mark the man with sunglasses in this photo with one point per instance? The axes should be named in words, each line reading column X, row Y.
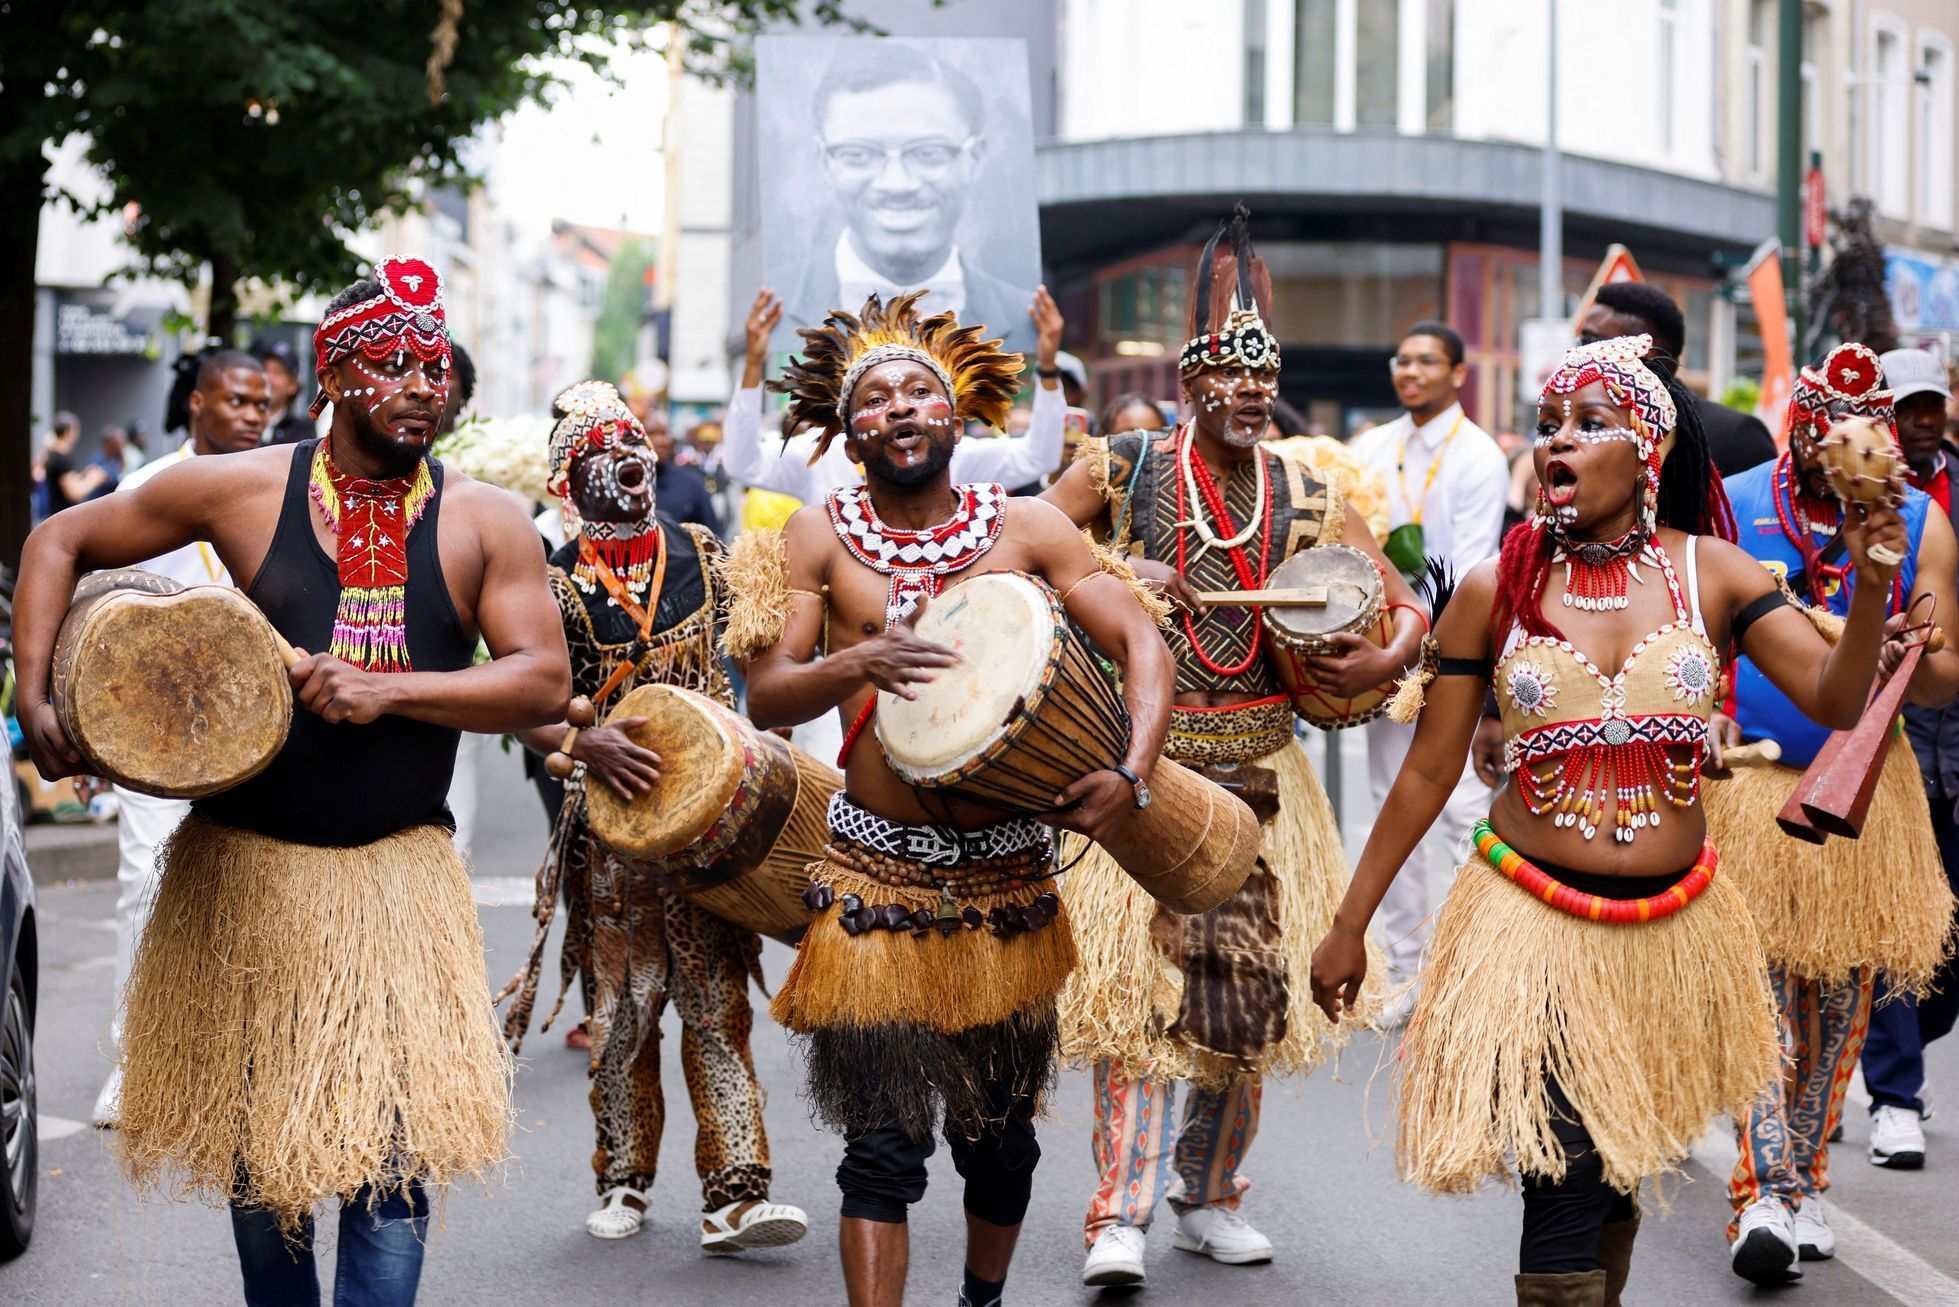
column 903, row 141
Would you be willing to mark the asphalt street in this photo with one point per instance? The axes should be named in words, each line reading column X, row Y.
column 1324, row 1186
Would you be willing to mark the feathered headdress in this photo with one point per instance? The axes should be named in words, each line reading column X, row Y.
column 1233, row 292
column 980, row 378
column 1850, row 383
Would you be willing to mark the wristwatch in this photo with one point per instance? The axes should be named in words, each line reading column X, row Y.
column 1142, row 788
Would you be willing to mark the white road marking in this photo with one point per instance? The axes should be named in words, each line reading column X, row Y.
column 47, row 1128
column 1883, row 1261
column 504, row 891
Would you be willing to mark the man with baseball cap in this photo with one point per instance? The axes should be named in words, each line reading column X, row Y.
column 288, row 423
column 1894, row 1052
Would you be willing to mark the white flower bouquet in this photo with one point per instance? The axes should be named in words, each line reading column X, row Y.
column 512, row 452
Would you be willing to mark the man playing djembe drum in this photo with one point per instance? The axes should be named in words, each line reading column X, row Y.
column 641, row 604
column 307, row 1015
column 906, row 1019
column 1831, row 915
column 1220, row 999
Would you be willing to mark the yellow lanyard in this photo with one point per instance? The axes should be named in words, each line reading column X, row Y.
column 1415, row 506
column 212, row 567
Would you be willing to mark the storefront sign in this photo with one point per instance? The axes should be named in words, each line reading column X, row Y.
column 86, row 329
column 1924, row 291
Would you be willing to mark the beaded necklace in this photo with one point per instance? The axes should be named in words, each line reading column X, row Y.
column 1596, row 571
column 917, row 562
column 1792, row 514
column 1203, row 486
column 614, row 559
column 371, row 521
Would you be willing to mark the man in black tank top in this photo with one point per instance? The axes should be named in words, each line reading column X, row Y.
column 307, row 1013
column 642, row 604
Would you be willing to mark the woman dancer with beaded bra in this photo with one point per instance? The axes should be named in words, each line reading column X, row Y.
column 1590, row 1016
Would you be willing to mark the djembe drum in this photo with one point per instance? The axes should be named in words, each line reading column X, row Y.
column 171, row 690
column 1027, row 712
column 733, row 822
column 1352, row 601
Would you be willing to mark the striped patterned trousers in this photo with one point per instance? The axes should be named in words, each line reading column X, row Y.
column 1785, row 1150
column 1138, row 1142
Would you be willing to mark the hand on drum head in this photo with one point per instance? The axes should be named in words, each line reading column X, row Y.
column 1169, row 582
column 54, row 757
column 898, row 659
column 1356, row 666
column 337, row 691
column 1339, row 967
column 609, row 753
column 1095, row 805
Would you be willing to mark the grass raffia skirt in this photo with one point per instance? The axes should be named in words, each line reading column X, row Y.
column 1827, row 910
column 1128, row 987
column 1651, row 1030
column 317, row 1017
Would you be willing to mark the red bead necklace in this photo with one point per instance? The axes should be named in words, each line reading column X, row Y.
column 1207, row 489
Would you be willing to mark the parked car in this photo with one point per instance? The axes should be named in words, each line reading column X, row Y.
column 19, row 970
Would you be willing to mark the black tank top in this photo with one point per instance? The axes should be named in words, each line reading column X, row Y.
column 341, row 784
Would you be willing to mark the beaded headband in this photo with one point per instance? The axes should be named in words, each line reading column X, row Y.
column 1620, row 363
column 1243, row 342
column 1850, row 383
column 870, row 358
column 406, row 315
column 595, row 417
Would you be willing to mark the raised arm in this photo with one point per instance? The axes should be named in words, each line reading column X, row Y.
column 1428, row 775
column 1828, row 683
column 527, row 681
column 787, row 683
column 1077, row 496
column 1017, row 460
column 177, row 506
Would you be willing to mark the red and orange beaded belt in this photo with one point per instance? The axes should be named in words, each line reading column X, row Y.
column 1593, row 907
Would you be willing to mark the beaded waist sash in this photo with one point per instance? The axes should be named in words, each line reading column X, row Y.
column 937, row 846
column 1593, row 907
column 1240, row 733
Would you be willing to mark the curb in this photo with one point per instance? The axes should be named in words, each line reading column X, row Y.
column 75, row 851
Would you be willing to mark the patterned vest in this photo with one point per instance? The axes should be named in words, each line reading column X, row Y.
column 1142, row 490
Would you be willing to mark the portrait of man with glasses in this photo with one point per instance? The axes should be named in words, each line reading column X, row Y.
column 906, row 144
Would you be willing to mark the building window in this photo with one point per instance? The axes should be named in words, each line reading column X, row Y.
column 1669, row 57
column 1377, row 63
column 1441, row 42
column 1758, row 87
column 1934, row 138
column 1890, row 117
column 1312, row 61
column 1254, row 63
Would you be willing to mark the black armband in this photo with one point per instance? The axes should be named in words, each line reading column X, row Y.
column 1755, row 610
column 1447, row 666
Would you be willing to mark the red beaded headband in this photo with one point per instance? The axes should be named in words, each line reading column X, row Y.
column 407, row 314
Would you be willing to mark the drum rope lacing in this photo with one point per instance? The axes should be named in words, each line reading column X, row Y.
column 1199, row 479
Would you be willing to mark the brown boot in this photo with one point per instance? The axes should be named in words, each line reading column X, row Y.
column 1572, row 1289
column 1615, row 1248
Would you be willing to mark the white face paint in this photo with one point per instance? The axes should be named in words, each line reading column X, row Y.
column 387, row 380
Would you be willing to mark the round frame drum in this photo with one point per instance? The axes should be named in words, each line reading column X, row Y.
column 1027, row 712
column 1293, row 633
column 171, row 690
column 735, row 819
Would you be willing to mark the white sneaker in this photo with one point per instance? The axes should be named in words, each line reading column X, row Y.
column 1815, row 1240
column 1764, row 1250
column 108, row 1103
column 1116, row 1257
column 1222, row 1235
column 1897, row 1138
column 1397, row 1007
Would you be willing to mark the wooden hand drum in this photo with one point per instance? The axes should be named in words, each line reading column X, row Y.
column 1027, row 712
column 733, row 822
column 175, row 691
column 1354, row 593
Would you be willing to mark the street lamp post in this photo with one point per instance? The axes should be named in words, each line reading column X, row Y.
column 1550, row 218
column 1789, row 159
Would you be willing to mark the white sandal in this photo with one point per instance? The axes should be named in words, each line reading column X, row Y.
column 617, row 1220
column 765, row 1225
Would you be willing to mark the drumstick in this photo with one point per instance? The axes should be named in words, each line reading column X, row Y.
column 1311, row 596
column 287, row 654
column 1759, row 753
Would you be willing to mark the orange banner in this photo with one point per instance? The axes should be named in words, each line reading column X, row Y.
column 1772, row 313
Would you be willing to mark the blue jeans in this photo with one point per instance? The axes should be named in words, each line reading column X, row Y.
column 379, row 1264
column 1894, row 1055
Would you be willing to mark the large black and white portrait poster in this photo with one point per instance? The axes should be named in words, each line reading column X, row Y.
column 890, row 165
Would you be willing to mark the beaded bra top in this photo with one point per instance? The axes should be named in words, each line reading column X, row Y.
column 1591, row 748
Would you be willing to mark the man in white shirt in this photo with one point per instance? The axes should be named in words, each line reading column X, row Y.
column 785, row 467
column 1447, row 482
column 228, row 412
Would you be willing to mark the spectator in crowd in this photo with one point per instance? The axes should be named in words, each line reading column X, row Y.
column 682, row 486
column 289, row 423
column 111, row 455
column 70, row 480
column 1737, row 440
